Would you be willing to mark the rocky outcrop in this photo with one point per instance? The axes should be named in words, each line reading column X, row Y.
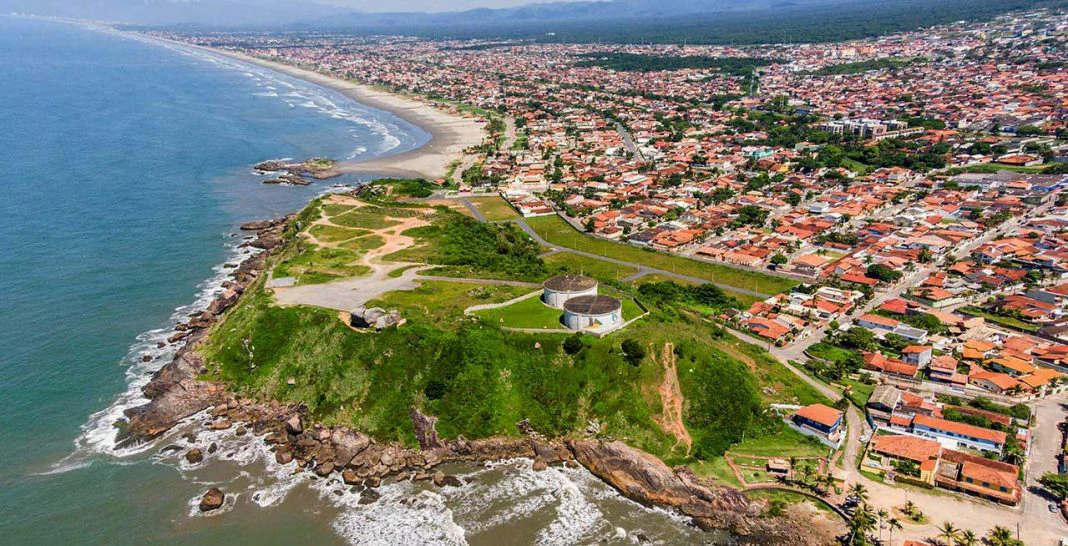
column 425, row 430
column 643, row 477
column 374, row 317
column 293, row 173
column 177, row 390
column 213, row 499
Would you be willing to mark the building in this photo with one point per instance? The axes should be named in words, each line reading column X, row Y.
column 917, row 355
column 598, row 313
column 820, row 421
column 559, row 289
column 921, row 455
column 992, row 480
column 954, row 434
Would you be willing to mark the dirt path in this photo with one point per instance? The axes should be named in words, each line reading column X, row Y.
column 670, row 418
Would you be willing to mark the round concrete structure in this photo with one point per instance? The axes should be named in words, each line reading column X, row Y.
column 560, row 289
column 594, row 312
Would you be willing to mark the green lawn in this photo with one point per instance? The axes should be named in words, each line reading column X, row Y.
column 566, row 262
column 829, row 352
column 442, row 303
column 786, row 442
column 313, row 265
column 529, row 313
column 495, row 209
column 334, row 234
column 716, row 469
column 360, row 219
column 856, row 166
column 555, row 230
column 363, row 244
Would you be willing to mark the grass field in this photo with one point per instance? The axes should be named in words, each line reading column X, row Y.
column 566, row 262
column 786, row 442
column 495, row 209
column 555, row 230
column 779, row 385
column 529, row 313
column 442, row 303
column 334, row 234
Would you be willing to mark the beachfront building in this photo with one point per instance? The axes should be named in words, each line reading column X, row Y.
column 960, row 435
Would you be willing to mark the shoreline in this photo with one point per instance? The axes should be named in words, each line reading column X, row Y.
column 450, row 134
column 184, row 389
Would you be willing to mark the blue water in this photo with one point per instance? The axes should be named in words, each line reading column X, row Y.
column 125, row 172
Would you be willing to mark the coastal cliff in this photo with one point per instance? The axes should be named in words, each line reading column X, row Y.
column 186, row 387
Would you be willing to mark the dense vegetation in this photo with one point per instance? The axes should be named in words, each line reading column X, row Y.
column 630, row 62
column 863, row 66
column 480, row 380
column 465, row 243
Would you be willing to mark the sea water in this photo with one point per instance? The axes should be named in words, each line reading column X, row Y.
column 125, row 175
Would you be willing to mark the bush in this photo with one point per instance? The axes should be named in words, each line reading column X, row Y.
column 633, row 352
column 573, row 344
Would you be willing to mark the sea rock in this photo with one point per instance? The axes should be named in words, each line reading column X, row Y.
column 349, row 477
column 283, row 456
column 221, row 424
column 368, row 496
column 294, row 425
column 539, row 464
column 241, row 431
column 347, row 444
column 194, row 456
column 257, row 225
column 325, row 469
column 213, row 499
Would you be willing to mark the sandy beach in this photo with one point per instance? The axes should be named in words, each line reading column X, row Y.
column 450, row 133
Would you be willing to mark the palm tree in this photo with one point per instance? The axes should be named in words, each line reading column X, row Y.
column 861, row 525
column 793, row 467
column 910, row 508
column 967, row 538
column 806, row 472
column 948, row 532
column 1000, row 536
column 827, row 481
column 893, row 523
column 860, row 492
column 880, row 516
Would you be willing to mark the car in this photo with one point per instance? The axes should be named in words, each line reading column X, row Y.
column 1053, row 508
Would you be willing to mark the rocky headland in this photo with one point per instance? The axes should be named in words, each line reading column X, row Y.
column 297, row 174
column 184, row 388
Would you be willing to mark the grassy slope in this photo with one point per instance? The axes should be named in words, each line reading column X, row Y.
column 480, row 381
column 557, row 231
column 494, row 208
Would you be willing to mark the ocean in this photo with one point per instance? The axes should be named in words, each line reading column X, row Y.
column 127, row 174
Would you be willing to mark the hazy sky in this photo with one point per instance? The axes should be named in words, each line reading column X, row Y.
column 425, row 5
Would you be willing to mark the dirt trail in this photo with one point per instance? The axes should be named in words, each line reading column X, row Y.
column 670, row 418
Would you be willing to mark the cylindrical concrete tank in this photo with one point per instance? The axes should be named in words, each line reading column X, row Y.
column 564, row 287
column 596, row 312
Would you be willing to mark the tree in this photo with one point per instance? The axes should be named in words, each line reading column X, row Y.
column 967, row 538
column 893, row 524
column 948, row 532
column 779, row 259
column 883, row 273
column 861, row 525
column 1002, row 536
column 1056, row 484
column 573, row 344
column 633, row 352
column 859, row 492
column 857, row 337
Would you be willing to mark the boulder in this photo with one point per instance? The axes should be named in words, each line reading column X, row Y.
column 194, row 456
column 294, row 426
column 283, row 456
column 256, row 225
column 213, row 499
column 539, row 464
column 374, row 317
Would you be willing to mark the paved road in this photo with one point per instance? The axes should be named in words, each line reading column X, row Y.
column 474, row 210
column 628, row 141
column 642, row 270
